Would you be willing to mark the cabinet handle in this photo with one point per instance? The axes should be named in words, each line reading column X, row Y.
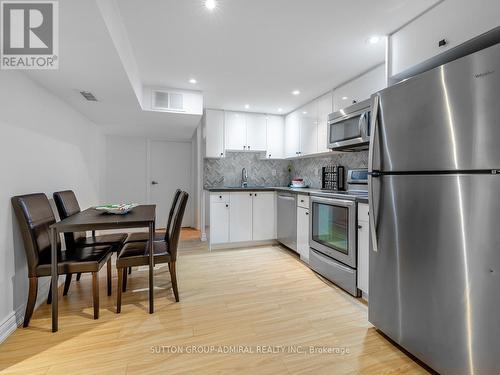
column 220, row 196
column 269, row 155
column 255, row 195
column 360, row 227
column 221, row 154
column 250, row 194
column 248, row 147
column 307, row 213
column 442, row 43
column 227, row 205
column 301, row 201
column 244, row 147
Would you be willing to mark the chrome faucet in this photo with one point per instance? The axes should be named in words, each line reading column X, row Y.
column 244, row 178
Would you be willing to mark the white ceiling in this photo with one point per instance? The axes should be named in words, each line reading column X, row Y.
column 246, row 51
column 258, row 51
column 89, row 61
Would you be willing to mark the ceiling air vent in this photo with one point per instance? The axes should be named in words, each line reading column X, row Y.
column 89, row 96
column 163, row 100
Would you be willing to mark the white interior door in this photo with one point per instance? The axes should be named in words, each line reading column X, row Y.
column 170, row 167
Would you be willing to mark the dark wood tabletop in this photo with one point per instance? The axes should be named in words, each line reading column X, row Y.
column 142, row 216
column 92, row 219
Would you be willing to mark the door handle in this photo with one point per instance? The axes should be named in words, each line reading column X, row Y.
column 371, row 175
column 154, row 182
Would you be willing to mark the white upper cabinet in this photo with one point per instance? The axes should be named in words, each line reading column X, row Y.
column 292, row 135
column 308, row 116
column 275, row 137
column 235, row 131
column 325, row 107
column 256, row 131
column 360, row 89
column 454, row 21
column 214, row 133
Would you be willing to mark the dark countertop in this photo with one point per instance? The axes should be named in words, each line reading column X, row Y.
column 304, row 191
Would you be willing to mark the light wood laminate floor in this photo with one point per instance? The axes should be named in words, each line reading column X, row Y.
column 258, row 298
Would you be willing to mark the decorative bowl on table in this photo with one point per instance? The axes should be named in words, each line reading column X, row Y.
column 116, row 209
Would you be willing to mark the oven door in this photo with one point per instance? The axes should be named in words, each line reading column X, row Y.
column 352, row 130
column 333, row 229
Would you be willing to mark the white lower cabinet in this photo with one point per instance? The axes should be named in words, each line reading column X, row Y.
column 264, row 216
column 303, row 233
column 363, row 248
column 240, row 216
column 219, row 222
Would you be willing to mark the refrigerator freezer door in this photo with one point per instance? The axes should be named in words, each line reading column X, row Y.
column 435, row 279
column 445, row 119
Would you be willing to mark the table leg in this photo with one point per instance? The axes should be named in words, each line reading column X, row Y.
column 53, row 267
column 151, row 269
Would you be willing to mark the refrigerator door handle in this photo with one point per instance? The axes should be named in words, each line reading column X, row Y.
column 371, row 175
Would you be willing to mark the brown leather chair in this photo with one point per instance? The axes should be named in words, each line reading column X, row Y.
column 67, row 205
column 35, row 217
column 159, row 236
column 136, row 254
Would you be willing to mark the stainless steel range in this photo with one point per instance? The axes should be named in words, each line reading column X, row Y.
column 333, row 231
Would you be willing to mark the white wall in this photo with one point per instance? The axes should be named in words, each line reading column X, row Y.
column 45, row 146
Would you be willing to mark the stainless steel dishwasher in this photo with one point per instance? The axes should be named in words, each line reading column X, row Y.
column 287, row 219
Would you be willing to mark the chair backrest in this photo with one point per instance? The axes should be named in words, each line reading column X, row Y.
column 67, row 205
column 35, row 216
column 171, row 213
column 177, row 225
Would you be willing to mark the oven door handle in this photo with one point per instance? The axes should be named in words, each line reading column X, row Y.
column 333, row 201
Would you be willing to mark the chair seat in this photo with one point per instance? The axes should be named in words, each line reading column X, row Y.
column 85, row 259
column 115, row 240
column 136, row 254
column 143, row 237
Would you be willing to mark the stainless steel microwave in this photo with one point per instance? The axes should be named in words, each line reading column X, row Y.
column 349, row 128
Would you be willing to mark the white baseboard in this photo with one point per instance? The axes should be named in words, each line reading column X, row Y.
column 16, row 318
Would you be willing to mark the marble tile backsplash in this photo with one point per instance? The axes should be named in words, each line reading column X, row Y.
column 310, row 168
column 261, row 172
column 264, row 172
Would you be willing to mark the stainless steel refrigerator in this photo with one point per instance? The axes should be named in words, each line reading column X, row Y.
column 435, row 214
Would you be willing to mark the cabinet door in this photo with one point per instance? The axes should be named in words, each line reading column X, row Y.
column 240, row 216
column 292, row 135
column 235, row 131
column 256, row 128
column 275, row 137
column 219, row 222
column 214, row 133
column 419, row 40
column 325, row 107
column 303, row 233
column 264, row 216
column 309, row 129
column 363, row 255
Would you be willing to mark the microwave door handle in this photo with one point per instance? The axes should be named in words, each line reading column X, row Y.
column 363, row 125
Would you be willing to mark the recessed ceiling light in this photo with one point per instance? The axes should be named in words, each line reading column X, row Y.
column 210, row 4
column 247, row 106
column 374, row 39
column 304, row 112
column 295, row 92
column 193, row 81
column 280, row 109
column 345, row 98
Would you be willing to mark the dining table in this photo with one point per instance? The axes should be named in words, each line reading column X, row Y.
column 91, row 219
